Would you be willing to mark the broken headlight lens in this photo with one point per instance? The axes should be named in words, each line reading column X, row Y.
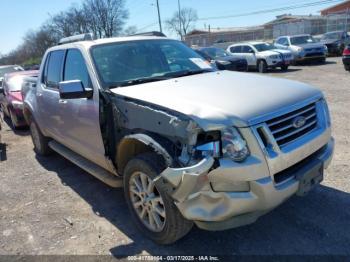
column 233, row 145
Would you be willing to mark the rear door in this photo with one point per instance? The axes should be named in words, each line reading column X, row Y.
column 249, row 55
column 48, row 95
column 236, row 51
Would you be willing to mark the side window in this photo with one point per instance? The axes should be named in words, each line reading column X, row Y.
column 283, row 41
column 247, row 49
column 75, row 68
column 53, row 70
column 235, row 49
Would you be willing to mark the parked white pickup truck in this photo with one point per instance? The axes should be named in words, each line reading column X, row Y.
column 262, row 56
column 189, row 144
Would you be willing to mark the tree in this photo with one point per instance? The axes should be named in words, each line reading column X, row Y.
column 106, row 17
column 188, row 17
column 130, row 30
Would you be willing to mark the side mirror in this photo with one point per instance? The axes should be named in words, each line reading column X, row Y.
column 74, row 90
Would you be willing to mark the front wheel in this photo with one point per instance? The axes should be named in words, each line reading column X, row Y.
column 262, row 66
column 13, row 119
column 3, row 113
column 151, row 207
column 40, row 142
column 322, row 60
column 284, row 67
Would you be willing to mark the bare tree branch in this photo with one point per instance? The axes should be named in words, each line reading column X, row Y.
column 188, row 18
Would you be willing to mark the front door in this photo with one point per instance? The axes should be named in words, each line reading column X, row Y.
column 80, row 120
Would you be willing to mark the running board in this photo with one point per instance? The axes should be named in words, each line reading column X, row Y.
column 85, row 164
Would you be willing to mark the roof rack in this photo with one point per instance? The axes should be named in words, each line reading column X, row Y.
column 77, row 38
column 151, row 33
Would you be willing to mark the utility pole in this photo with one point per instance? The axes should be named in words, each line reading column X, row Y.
column 180, row 22
column 159, row 19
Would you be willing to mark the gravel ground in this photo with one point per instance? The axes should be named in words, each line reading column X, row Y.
column 49, row 206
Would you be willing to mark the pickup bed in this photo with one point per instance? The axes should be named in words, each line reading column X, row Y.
column 189, row 145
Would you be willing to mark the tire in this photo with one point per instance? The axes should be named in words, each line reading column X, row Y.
column 171, row 224
column 40, row 142
column 262, row 66
column 322, row 60
column 13, row 120
column 3, row 114
column 284, row 67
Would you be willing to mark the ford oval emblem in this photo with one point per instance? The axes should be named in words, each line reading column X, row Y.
column 299, row 122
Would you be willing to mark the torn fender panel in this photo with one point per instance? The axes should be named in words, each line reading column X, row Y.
column 144, row 116
column 188, row 180
column 149, row 141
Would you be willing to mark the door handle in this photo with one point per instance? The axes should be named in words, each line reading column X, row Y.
column 62, row 102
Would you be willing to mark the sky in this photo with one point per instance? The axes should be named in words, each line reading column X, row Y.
column 20, row 16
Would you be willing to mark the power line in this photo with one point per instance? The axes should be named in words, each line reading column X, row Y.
column 271, row 10
column 147, row 26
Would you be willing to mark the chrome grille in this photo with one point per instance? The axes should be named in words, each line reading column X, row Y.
column 285, row 128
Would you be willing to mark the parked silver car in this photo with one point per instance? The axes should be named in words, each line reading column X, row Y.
column 303, row 47
column 187, row 143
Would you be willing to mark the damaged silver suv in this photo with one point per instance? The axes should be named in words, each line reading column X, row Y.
column 190, row 145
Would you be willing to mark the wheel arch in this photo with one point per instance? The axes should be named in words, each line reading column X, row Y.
column 27, row 113
column 136, row 144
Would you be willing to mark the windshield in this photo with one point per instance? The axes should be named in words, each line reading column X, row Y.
column 128, row 63
column 10, row 69
column 264, row 47
column 300, row 40
column 215, row 52
column 333, row 36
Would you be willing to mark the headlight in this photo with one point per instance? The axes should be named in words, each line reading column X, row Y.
column 233, row 145
column 224, row 62
column 326, row 112
column 325, row 48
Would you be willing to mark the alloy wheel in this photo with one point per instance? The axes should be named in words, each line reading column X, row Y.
column 147, row 202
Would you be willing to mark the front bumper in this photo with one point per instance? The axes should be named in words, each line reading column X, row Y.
column 311, row 56
column 280, row 63
column 197, row 201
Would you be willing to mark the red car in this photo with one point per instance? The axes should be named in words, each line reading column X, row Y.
column 11, row 100
column 346, row 58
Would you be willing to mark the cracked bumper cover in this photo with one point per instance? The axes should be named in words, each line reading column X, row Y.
column 212, row 210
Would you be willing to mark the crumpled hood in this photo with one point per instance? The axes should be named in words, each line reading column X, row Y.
column 222, row 98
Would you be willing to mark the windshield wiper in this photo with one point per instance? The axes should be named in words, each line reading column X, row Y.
column 139, row 81
column 189, row 72
column 166, row 76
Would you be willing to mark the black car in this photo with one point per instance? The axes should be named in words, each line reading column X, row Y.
column 336, row 41
column 346, row 58
column 222, row 59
